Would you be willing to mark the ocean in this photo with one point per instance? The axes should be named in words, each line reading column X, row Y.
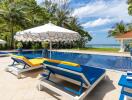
column 103, row 45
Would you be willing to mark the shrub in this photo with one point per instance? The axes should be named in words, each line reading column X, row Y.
column 19, row 45
column 45, row 44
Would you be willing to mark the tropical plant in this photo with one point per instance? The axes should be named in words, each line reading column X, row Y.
column 19, row 45
column 35, row 46
column 12, row 18
column 45, row 44
column 35, row 13
column 62, row 17
column 130, row 7
column 118, row 29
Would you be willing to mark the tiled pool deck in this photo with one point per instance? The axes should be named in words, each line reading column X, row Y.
column 12, row 88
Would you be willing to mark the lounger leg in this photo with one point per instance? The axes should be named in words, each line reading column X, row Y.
column 40, row 87
column 7, row 69
column 12, row 63
column 19, row 75
column 80, row 90
column 24, row 66
column 48, row 75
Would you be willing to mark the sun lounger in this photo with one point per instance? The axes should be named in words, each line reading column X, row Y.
column 126, row 83
column 22, row 64
column 83, row 76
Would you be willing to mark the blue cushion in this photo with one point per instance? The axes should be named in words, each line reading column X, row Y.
column 91, row 73
column 124, row 82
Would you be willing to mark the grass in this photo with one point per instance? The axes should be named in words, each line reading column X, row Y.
column 98, row 49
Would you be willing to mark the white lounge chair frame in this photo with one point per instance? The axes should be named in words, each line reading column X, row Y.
column 44, row 83
column 129, row 91
column 18, row 69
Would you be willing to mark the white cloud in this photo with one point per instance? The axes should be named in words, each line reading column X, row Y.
column 100, row 30
column 89, row 9
column 98, row 22
column 116, row 10
column 59, row 2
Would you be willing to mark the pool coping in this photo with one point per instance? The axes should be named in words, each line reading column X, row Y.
column 93, row 52
column 78, row 51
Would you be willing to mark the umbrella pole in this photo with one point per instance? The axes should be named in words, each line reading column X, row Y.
column 50, row 48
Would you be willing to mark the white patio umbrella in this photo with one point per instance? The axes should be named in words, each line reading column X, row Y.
column 2, row 42
column 49, row 32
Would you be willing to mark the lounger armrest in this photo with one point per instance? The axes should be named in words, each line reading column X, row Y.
column 129, row 78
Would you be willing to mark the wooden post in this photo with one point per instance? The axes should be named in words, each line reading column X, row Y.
column 122, row 45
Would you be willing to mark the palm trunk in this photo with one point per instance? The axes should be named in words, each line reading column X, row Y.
column 12, row 36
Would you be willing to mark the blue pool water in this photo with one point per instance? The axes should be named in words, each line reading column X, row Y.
column 101, row 61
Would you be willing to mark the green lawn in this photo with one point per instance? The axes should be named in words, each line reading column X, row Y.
column 99, row 49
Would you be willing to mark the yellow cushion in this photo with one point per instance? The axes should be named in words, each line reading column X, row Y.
column 25, row 60
column 63, row 62
column 32, row 62
column 38, row 61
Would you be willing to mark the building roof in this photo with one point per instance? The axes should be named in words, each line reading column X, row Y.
column 127, row 35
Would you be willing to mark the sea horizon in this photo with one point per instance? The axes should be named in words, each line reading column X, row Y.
column 103, row 45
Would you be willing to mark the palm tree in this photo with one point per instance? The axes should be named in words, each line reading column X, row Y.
column 12, row 16
column 49, row 9
column 61, row 16
column 75, row 25
column 35, row 13
column 130, row 7
column 120, row 28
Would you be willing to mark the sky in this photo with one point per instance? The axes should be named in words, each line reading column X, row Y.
column 99, row 16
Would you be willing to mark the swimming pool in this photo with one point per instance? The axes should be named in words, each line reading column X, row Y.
column 101, row 61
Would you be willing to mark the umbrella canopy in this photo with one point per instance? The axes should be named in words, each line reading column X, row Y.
column 47, row 32
column 2, row 41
